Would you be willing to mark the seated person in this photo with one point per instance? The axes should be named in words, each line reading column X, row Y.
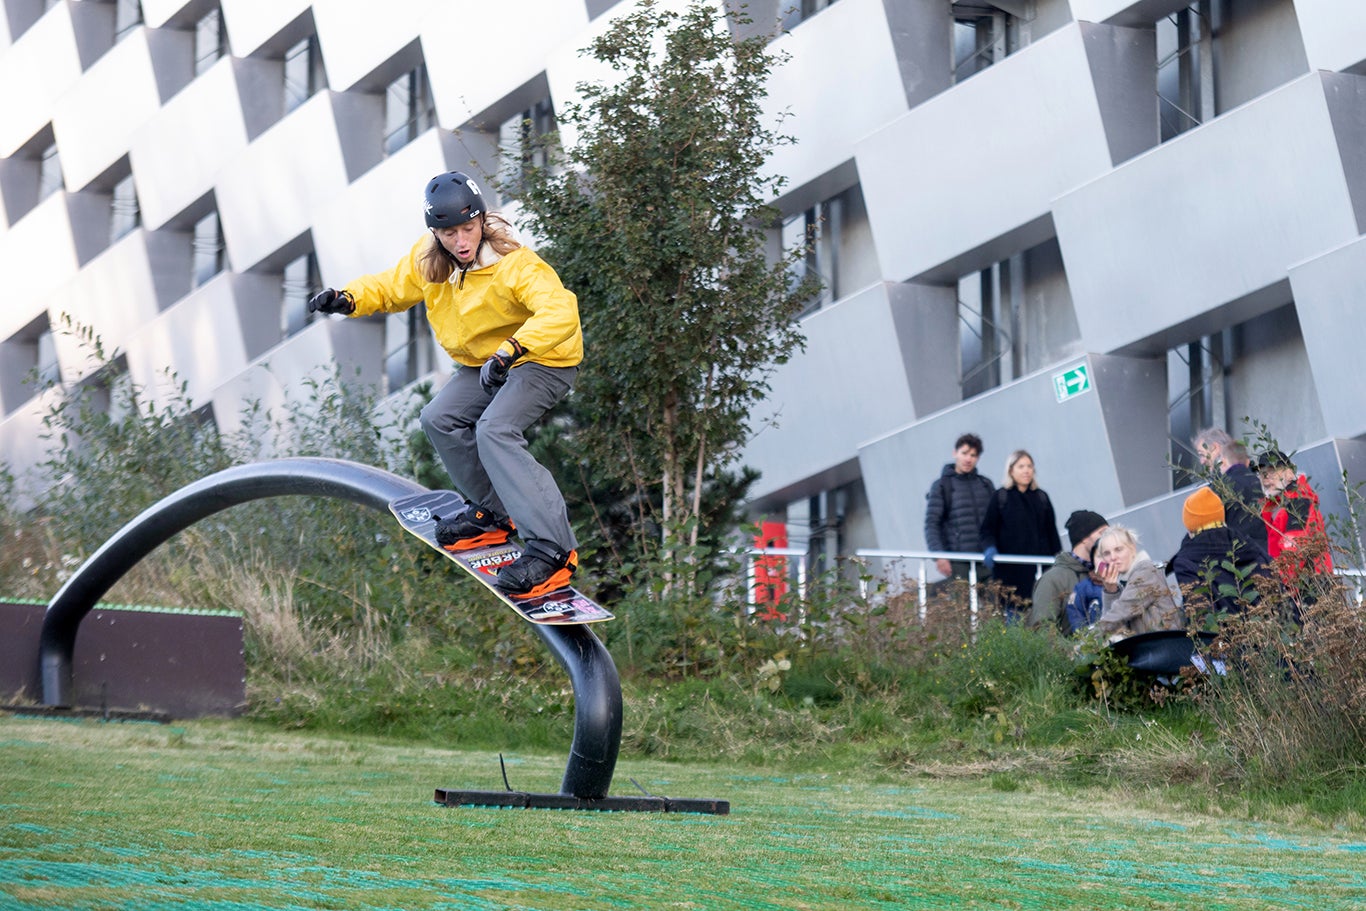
column 1292, row 516
column 1135, row 596
column 1204, row 563
column 1054, row 588
column 1084, row 603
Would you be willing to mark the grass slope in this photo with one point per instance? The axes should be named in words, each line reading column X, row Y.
column 212, row 816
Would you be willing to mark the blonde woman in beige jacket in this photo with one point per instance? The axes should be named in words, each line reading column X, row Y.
column 1135, row 595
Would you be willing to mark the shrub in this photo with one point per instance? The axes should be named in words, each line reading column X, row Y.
column 1293, row 700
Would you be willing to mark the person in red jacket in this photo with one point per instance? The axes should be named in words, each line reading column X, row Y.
column 1293, row 520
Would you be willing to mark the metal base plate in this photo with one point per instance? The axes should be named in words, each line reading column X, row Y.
column 525, row 800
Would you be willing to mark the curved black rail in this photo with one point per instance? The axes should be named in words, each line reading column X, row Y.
column 597, row 688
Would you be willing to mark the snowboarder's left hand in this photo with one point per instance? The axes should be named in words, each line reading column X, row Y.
column 494, row 373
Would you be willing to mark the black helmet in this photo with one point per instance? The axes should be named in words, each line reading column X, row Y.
column 452, row 199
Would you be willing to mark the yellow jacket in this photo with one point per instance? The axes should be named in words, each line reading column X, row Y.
column 515, row 296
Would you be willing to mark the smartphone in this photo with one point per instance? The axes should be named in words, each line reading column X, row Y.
column 1102, row 567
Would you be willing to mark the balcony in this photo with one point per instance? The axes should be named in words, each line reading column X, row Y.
column 857, row 34
column 1200, row 234
column 271, row 193
column 1334, row 34
column 1140, row 13
column 47, row 60
column 500, row 91
column 114, row 295
column 283, row 376
column 265, row 28
column 968, row 178
column 369, row 45
column 179, row 152
column 209, row 336
column 871, row 364
column 22, row 441
column 390, row 198
column 40, row 252
column 95, row 121
column 1327, row 291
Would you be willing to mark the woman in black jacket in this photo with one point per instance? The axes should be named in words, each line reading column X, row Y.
column 1019, row 521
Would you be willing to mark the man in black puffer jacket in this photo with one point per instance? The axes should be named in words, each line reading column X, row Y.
column 956, row 504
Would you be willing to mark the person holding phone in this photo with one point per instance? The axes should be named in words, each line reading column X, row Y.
column 1135, row 596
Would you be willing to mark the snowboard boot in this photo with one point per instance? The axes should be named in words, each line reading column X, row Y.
column 542, row 568
column 474, row 527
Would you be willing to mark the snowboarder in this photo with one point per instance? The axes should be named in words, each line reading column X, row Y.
column 513, row 330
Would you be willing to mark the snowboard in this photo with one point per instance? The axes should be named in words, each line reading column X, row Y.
column 418, row 514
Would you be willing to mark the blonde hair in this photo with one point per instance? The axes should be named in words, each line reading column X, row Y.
column 1010, row 465
column 1122, row 532
column 437, row 265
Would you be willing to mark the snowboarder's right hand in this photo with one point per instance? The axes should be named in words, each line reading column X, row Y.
column 331, row 301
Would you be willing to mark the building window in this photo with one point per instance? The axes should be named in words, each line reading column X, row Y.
column 206, row 249
column 408, row 109
column 210, row 41
column 984, row 34
column 520, row 139
column 827, row 230
column 49, row 173
column 300, row 282
column 127, row 17
column 987, row 302
column 28, row 363
column 798, row 11
column 409, row 350
column 47, row 371
column 304, row 74
column 125, row 215
column 1185, row 70
column 1197, row 376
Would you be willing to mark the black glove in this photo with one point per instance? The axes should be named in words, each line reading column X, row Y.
column 330, row 301
column 494, row 373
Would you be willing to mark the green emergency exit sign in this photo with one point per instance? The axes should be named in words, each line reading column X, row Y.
column 1071, row 383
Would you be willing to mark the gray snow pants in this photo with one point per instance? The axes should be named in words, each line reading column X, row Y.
column 479, row 438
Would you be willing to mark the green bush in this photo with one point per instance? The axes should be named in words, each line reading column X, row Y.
column 1002, row 664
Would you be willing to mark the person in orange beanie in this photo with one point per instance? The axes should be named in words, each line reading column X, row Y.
column 1205, row 564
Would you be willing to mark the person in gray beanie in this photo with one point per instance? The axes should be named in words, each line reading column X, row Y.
column 1084, row 528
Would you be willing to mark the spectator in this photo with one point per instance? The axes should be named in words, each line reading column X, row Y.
column 1239, row 488
column 1086, row 603
column 956, row 505
column 1204, row 564
column 1069, row 567
column 1136, row 598
column 1020, row 521
column 1293, row 520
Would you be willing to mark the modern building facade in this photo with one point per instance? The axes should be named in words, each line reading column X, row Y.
column 1085, row 228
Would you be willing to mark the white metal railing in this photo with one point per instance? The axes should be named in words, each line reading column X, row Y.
column 794, row 563
column 794, row 569
column 925, row 557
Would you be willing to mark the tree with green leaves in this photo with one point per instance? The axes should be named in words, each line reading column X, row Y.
column 658, row 217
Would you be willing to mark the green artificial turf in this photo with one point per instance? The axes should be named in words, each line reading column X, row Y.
column 212, row 816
